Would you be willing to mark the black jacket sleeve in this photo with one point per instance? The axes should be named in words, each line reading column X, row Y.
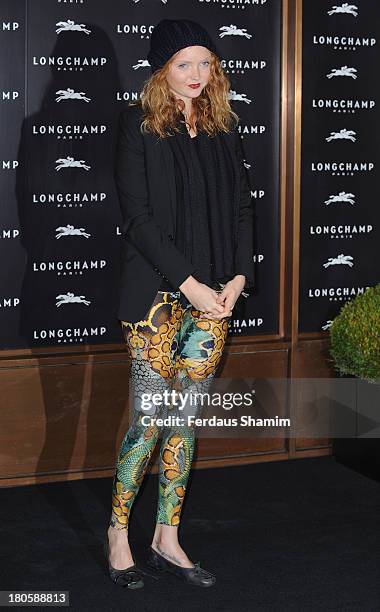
column 244, row 252
column 138, row 223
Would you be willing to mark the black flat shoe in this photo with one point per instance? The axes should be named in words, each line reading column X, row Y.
column 193, row 575
column 131, row 577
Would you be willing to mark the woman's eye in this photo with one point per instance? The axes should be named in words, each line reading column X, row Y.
column 182, row 65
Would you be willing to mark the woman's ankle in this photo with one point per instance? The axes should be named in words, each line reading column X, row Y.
column 165, row 534
column 166, row 544
column 117, row 534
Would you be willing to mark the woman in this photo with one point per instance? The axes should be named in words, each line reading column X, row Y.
column 188, row 256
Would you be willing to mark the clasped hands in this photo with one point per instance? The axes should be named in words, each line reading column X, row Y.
column 211, row 303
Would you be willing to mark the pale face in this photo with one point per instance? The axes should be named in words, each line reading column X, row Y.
column 189, row 66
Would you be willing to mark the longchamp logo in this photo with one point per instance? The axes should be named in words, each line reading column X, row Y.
column 339, row 260
column 336, row 294
column 68, row 131
column 345, row 8
column 238, row 97
column 342, row 196
column 70, row 230
column 233, row 30
column 343, row 134
column 346, row 168
column 142, row 63
column 68, row 62
column 69, row 267
column 343, row 71
column 340, row 231
column 71, row 26
column 69, row 200
column 70, row 162
column 69, row 334
column 71, row 94
column 343, row 105
column 344, row 43
column 71, row 298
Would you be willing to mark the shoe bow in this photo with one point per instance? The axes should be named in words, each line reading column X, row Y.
column 202, row 572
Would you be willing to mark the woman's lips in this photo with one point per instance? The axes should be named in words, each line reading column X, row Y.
column 195, row 86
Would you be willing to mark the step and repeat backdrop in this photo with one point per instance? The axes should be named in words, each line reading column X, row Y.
column 67, row 69
column 340, row 212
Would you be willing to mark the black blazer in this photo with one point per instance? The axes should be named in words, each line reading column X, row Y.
column 145, row 182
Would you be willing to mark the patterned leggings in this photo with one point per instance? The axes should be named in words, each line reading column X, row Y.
column 172, row 342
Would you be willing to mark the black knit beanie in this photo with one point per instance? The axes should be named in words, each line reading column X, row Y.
column 171, row 35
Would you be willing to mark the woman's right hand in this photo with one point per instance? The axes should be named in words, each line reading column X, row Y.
column 202, row 297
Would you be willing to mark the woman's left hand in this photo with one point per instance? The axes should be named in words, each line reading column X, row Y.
column 227, row 297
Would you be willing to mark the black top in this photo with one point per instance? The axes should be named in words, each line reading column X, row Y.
column 204, row 217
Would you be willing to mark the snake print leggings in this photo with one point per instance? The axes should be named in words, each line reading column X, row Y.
column 171, row 344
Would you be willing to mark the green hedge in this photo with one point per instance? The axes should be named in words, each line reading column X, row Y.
column 355, row 336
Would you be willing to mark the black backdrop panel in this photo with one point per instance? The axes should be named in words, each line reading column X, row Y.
column 68, row 69
column 340, row 158
column 12, row 79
